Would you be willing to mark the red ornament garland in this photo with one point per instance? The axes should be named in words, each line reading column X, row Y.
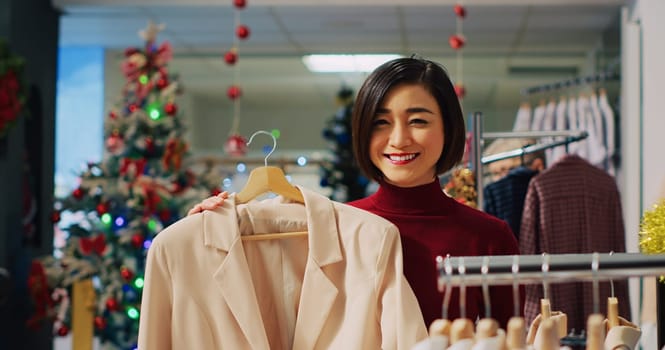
column 12, row 88
column 457, row 42
column 236, row 145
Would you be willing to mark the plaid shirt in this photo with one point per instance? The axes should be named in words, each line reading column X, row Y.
column 573, row 207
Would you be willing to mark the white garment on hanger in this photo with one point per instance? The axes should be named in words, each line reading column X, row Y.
column 582, row 124
column 559, row 125
column 608, row 118
column 523, row 118
column 571, row 115
column 340, row 287
column 597, row 151
column 549, row 124
column 538, row 116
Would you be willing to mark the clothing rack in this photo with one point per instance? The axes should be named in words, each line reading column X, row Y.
column 477, row 161
column 553, row 268
column 534, row 269
column 595, row 78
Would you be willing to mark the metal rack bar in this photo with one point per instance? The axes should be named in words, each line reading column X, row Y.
column 579, row 135
column 594, row 78
column 534, row 269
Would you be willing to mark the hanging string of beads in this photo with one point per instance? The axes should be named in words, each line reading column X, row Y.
column 236, row 144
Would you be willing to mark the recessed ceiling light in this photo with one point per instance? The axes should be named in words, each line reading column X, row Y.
column 345, row 63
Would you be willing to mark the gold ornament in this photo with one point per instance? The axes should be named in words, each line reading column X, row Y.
column 652, row 230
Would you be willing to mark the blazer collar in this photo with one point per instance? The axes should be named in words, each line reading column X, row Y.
column 234, row 277
column 324, row 244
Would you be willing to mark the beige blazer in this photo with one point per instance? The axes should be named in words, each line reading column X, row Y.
column 340, row 287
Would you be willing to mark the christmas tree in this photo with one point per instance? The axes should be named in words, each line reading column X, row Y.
column 122, row 202
column 341, row 173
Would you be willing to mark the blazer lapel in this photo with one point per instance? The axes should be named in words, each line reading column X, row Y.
column 233, row 276
column 318, row 291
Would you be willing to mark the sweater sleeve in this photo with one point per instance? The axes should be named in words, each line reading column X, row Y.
column 156, row 302
column 402, row 323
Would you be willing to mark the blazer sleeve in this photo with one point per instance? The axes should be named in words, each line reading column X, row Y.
column 157, row 301
column 402, row 323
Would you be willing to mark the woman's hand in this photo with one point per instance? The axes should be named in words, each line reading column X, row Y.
column 209, row 203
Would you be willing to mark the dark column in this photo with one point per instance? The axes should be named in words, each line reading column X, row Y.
column 27, row 152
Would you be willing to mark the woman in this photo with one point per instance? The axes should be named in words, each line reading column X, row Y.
column 407, row 129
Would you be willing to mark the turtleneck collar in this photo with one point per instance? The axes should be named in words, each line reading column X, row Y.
column 423, row 199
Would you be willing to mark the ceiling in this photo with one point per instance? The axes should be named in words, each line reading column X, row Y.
column 511, row 45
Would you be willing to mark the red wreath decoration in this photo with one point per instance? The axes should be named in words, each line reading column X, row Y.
column 12, row 88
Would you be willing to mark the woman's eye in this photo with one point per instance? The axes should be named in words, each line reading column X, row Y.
column 418, row 121
column 379, row 122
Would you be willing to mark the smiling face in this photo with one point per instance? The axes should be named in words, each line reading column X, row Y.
column 407, row 136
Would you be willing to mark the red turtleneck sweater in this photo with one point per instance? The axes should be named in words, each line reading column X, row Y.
column 432, row 224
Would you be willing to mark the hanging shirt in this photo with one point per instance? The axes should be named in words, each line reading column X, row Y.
column 608, row 118
column 504, row 198
column 339, row 287
column 573, row 207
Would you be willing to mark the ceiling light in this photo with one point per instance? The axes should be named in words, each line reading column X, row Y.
column 345, row 63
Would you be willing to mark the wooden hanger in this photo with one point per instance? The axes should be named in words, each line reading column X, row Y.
column 268, row 179
column 516, row 334
column 612, row 312
column 595, row 332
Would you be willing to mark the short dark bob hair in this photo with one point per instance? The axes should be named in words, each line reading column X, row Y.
column 433, row 78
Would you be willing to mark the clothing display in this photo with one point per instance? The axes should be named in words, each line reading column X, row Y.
column 572, row 207
column 340, row 287
column 504, row 198
column 432, row 224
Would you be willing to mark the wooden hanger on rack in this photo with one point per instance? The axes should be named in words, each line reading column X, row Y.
column 268, row 179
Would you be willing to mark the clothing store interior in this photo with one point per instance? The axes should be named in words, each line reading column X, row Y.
column 193, row 174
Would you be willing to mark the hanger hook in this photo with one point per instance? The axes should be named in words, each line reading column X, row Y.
column 462, row 287
column 594, row 271
column 545, row 268
column 274, row 143
column 611, row 280
column 448, row 268
column 516, row 291
column 484, row 269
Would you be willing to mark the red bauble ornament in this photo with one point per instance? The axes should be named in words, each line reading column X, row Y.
column 234, row 92
column 133, row 108
column 236, row 146
column 456, row 41
column 460, row 11
column 164, row 215
column 460, row 91
column 126, row 274
column 115, row 144
column 239, row 3
column 63, row 330
column 162, row 83
column 102, row 208
column 170, row 108
column 112, row 304
column 55, row 216
column 100, row 323
column 137, row 240
column 215, row 191
column 230, row 57
column 242, row 31
column 113, row 115
column 78, row 193
column 149, row 144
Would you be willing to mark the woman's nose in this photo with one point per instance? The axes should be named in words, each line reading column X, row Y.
column 400, row 137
